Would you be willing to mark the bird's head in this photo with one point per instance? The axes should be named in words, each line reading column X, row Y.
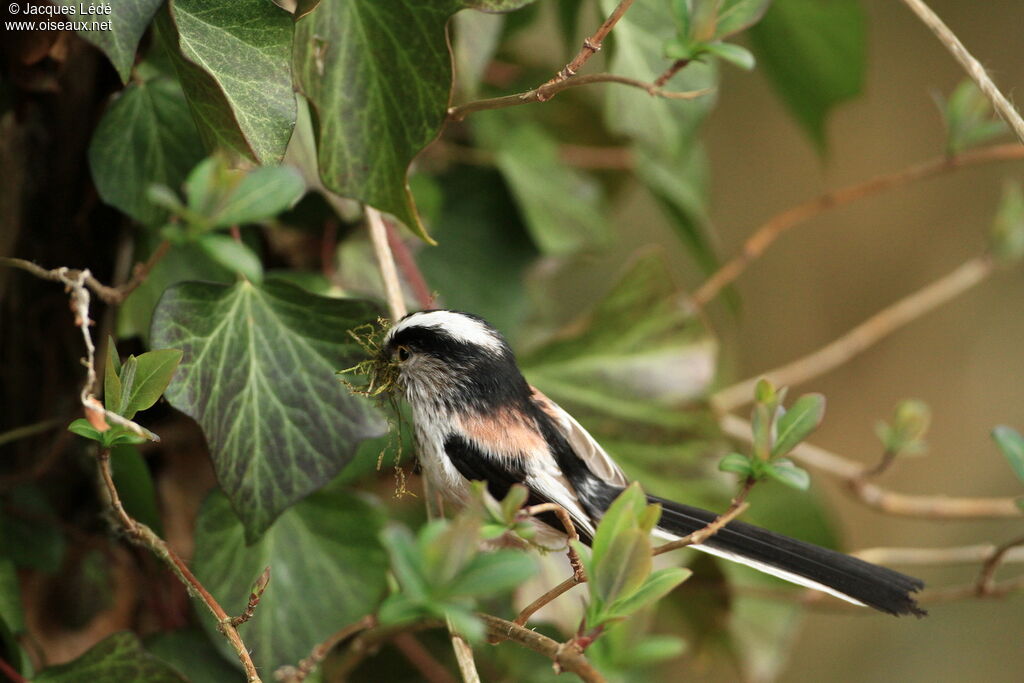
column 454, row 361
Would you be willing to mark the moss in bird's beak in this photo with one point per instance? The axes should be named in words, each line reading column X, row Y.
column 377, row 374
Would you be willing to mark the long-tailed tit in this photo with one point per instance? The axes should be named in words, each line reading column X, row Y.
column 476, row 418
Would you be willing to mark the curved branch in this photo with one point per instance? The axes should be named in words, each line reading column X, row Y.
column 874, row 496
column 566, row 657
column 864, row 335
column 780, row 223
column 547, row 91
column 971, row 65
column 591, row 45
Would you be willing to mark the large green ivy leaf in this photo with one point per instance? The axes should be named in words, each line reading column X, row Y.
column 258, row 374
column 640, row 355
column 119, row 657
column 146, row 136
column 191, row 652
column 327, row 569
column 128, row 21
column 563, row 207
column 378, row 77
column 814, row 54
column 233, row 60
column 483, row 249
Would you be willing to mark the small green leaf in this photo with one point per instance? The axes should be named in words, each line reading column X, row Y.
column 164, row 197
column 657, row 585
column 905, row 436
column 262, row 193
column 764, row 391
column 228, row 252
column 111, row 378
column 119, row 657
column 405, row 563
column 737, row 15
column 620, row 516
column 737, row 55
column 1011, row 443
column 135, row 485
column 737, row 463
column 624, row 566
column 798, row 422
column 83, row 427
column 153, row 372
column 489, row 574
column 786, row 472
column 969, row 119
column 1007, row 237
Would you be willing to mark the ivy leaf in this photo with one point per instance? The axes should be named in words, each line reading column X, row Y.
column 119, row 657
column 146, row 136
column 258, row 374
column 378, row 76
column 639, row 355
column 128, row 21
column 189, row 651
column 563, row 207
column 327, row 570
column 234, row 62
column 802, row 418
column 1011, row 443
column 813, row 53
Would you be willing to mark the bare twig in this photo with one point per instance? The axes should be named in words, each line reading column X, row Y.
column 543, row 600
column 386, row 263
column 566, row 657
column 986, row 582
column 420, row 657
column 254, row 599
column 546, row 92
column 591, row 45
column 736, row 508
column 407, row 264
column 889, row 502
column 308, row 665
column 971, row 65
column 861, row 337
column 570, row 532
column 671, row 71
column 779, row 224
column 968, row 554
column 143, row 535
column 464, row 657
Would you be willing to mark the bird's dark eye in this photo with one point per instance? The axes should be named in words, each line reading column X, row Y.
column 403, row 353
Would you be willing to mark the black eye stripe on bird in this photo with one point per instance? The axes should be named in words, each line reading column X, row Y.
column 476, row 418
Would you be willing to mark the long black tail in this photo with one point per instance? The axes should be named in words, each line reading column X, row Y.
column 803, row 563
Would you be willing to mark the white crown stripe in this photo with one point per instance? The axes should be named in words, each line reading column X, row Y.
column 458, row 326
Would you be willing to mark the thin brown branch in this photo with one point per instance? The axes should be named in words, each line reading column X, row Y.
column 986, row 582
column 297, row 674
column 547, row 91
column 671, row 71
column 565, row 656
column 967, row 554
column 874, row 496
column 779, row 224
column 8, row 671
column 864, row 335
column 143, row 535
column 971, row 65
column 254, row 599
column 421, row 658
column 885, row 462
column 591, row 45
column 736, row 508
column 549, row 596
column 464, row 656
column 570, row 532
